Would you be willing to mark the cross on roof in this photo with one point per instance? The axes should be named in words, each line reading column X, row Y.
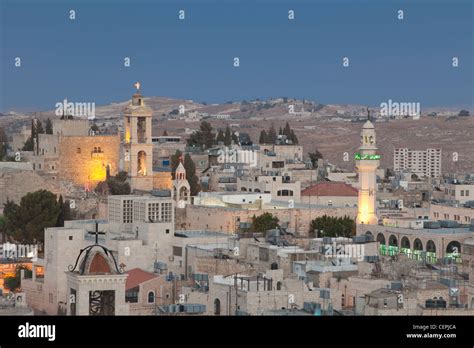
column 96, row 232
column 137, row 86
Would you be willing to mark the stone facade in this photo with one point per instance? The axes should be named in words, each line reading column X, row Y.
column 84, row 160
column 228, row 219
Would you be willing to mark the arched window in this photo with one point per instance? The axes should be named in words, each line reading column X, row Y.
column 417, row 244
column 381, row 238
column 151, row 297
column 430, row 246
column 217, row 307
column 278, row 285
column 392, row 241
column 405, row 243
column 141, row 163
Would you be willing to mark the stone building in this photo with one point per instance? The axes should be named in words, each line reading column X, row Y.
column 330, row 193
column 73, row 153
column 181, row 187
column 138, row 145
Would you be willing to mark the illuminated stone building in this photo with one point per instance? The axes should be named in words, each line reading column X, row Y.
column 138, row 161
column 367, row 162
column 74, row 153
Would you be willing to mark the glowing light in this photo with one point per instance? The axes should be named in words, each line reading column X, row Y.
column 98, row 171
column 127, row 136
column 359, row 156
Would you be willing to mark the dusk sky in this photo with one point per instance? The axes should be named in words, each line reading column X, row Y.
column 82, row 60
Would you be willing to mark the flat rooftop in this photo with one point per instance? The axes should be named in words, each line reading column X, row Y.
column 199, row 234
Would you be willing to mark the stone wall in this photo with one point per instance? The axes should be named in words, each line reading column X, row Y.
column 227, row 220
column 80, row 164
column 15, row 184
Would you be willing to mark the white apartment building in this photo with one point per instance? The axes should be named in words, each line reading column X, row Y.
column 420, row 162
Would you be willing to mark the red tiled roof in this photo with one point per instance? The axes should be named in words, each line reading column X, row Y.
column 330, row 189
column 137, row 276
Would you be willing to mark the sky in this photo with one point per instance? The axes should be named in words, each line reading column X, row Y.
column 407, row 60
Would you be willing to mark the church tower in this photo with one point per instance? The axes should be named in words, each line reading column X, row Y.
column 367, row 162
column 181, row 187
column 138, row 148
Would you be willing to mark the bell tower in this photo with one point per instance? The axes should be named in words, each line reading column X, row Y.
column 367, row 162
column 138, row 148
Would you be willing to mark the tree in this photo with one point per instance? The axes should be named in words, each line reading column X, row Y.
column 64, row 212
column 263, row 137
column 328, row 226
column 220, row 137
column 280, row 131
column 227, row 137
column 29, row 145
column 191, row 176
column 49, row 126
column 3, row 228
column 37, row 210
column 271, row 135
column 10, row 209
column 287, row 131
column 95, row 128
column 118, row 184
column 174, row 161
column 30, row 142
column 264, row 222
column 463, row 113
column 293, row 137
column 14, row 283
column 39, row 128
column 235, row 138
column 204, row 137
column 314, row 157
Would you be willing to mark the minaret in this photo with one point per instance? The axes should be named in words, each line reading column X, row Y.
column 138, row 161
column 367, row 162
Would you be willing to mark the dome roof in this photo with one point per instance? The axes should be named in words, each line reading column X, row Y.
column 368, row 125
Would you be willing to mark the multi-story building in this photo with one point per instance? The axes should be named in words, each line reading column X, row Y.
column 422, row 163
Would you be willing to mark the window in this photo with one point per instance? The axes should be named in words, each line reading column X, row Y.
column 177, row 251
column 70, row 237
column 167, row 231
column 467, row 193
column 462, row 193
column 132, row 295
column 151, row 297
column 127, row 211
